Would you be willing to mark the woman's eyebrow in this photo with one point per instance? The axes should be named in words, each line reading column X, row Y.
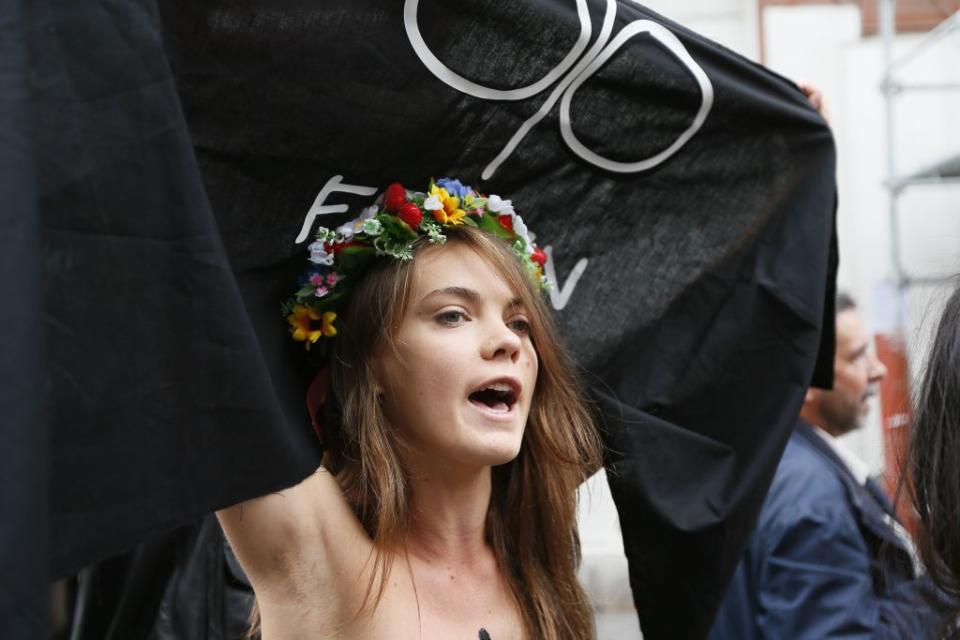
column 469, row 295
column 516, row 303
column 473, row 297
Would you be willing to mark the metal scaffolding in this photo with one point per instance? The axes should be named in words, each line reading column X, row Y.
column 946, row 171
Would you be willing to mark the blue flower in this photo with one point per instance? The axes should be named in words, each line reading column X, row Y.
column 454, row 187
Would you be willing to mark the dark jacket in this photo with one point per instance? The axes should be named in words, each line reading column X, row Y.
column 182, row 585
column 823, row 562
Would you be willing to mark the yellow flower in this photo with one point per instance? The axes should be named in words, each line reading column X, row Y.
column 327, row 324
column 308, row 325
column 449, row 211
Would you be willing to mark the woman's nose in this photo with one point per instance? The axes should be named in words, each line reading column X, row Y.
column 501, row 342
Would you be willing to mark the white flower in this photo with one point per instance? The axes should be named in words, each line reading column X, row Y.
column 348, row 229
column 496, row 204
column 521, row 230
column 502, row 207
column 433, row 203
column 372, row 227
column 319, row 255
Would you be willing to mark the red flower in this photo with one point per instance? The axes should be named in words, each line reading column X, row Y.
column 338, row 246
column 394, row 197
column 506, row 222
column 539, row 256
column 411, row 214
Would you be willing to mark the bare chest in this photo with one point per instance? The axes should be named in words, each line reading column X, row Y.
column 451, row 606
column 435, row 606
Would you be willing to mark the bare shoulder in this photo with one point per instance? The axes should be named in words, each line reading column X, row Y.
column 308, row 527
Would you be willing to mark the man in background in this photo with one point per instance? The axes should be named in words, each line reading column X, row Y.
column 828, row 558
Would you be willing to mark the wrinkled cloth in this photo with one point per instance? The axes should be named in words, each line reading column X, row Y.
column 24, row 429
column 183, row 585
column 163, row 161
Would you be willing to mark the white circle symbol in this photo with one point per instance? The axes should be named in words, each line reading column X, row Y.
column 461, row 84
column 671, row 44
column 598, row 55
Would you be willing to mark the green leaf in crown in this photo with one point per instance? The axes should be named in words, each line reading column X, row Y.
column 339, row 257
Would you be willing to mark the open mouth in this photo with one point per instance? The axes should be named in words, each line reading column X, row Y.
column 499, row 396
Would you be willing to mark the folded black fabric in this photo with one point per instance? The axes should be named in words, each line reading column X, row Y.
column 687, row 196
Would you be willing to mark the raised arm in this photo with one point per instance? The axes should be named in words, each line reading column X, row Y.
column 307, row 525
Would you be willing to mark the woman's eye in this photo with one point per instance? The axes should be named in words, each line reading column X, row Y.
column 520, row 325
column 452, row 318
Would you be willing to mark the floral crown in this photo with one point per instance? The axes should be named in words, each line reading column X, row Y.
column 390, row 227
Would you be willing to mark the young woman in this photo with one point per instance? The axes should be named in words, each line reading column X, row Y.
column 935, row 457
column 455, row 438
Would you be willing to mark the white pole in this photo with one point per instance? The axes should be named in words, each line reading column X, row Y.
column 890, row 89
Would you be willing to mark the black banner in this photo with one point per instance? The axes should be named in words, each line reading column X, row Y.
column 686, row 196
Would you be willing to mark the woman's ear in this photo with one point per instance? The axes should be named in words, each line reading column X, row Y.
column 377, row 376
column 385, row 369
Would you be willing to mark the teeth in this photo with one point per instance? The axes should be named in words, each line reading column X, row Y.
column 502, row 387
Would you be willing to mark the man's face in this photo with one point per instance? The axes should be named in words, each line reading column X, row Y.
column 856, row 373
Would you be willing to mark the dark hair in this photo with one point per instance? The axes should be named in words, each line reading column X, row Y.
column 845, row 302
column 934, row 459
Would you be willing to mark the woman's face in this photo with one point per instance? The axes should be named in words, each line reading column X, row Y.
column 460, row 383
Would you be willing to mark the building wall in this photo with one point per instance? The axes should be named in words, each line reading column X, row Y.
column 823, row 44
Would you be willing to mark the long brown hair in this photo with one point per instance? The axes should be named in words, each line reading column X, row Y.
column 531, row 522
column 933, row 477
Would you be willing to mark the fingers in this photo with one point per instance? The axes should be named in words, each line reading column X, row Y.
column 815, row 96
